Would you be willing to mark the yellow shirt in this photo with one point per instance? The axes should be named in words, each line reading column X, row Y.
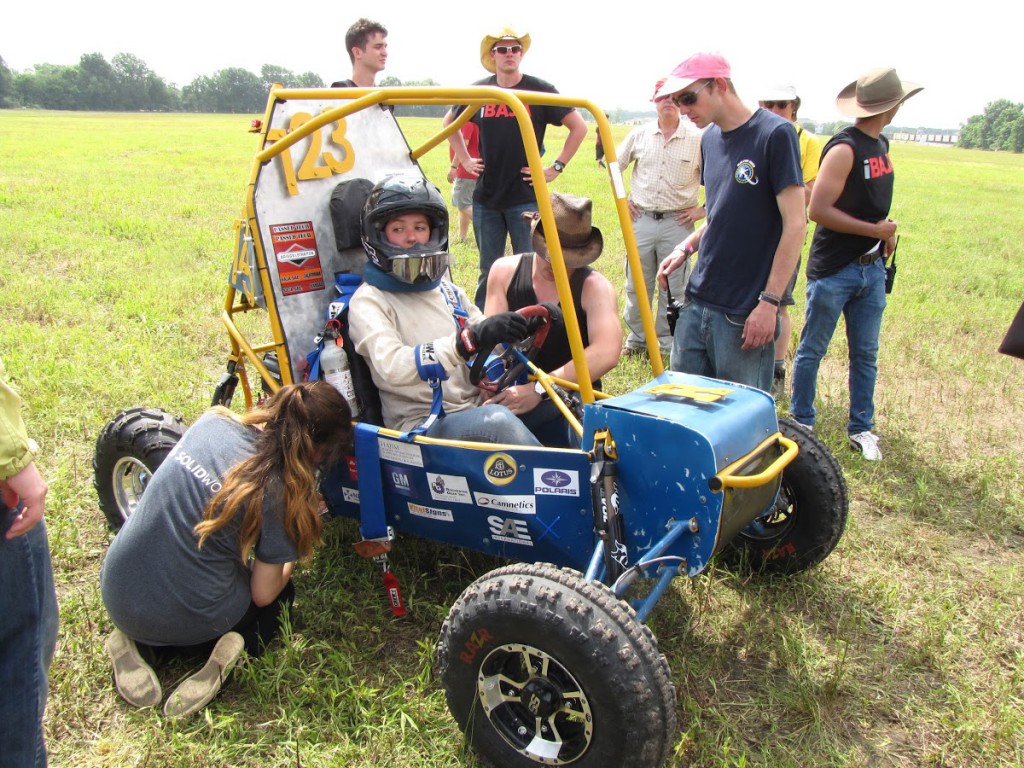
column 810, row 153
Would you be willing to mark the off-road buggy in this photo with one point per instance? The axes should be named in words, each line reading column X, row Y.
column 546, row 661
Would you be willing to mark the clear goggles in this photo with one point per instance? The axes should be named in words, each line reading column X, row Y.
column 419, row 267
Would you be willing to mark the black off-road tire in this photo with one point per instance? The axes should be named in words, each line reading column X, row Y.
column 542, row 667
column 128, row 451
column 808, row 518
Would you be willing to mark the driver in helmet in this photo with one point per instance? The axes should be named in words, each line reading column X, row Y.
column 404, row 319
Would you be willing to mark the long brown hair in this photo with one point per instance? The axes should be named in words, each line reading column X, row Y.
column 303, row 425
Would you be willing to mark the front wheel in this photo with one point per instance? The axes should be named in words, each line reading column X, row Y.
column 542, row 667
column 128, row 451
column 808, row 517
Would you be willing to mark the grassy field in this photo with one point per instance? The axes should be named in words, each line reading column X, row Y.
column 906, row 647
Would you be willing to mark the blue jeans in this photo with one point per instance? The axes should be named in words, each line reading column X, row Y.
column 708, row 343
column 483, row 424
column 28, row 635
column 858, row 292
column 492, row 226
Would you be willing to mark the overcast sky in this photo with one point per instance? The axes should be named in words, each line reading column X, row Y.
column 963, row 62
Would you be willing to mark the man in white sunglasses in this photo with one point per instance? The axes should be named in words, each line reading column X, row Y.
column 504, row 191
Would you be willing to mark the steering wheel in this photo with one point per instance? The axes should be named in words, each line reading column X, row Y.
column 540, row 321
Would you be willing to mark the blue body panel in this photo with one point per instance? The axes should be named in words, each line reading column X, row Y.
column 534, row 504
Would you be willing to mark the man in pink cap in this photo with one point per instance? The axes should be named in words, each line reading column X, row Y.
column 755, row 228
column 663, row 205
column 846, row 265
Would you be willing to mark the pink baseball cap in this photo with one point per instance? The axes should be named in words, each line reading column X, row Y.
column 700, row 66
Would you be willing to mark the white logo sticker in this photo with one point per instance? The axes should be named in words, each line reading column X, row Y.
column 449, row 488
column 350, row 495
column 509, row 530
column 431, row 513
column 403, row 453
column 522, row 505
column 556, row 482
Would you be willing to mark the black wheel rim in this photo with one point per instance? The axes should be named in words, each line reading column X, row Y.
column 777, row 521
column 535, row 704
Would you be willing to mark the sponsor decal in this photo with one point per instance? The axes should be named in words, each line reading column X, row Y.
column 353, row 468
column 350, row 495
column 521, row 505
column 399, row 479
column 500, row 468
column 472, row 646
column 403, row 453
column 449, row 488
column 556, row 482
column 431, row 513
column 509, row 530
column 298, row 261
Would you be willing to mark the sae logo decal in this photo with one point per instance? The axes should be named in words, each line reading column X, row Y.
column 500, row 469
column 556, row 482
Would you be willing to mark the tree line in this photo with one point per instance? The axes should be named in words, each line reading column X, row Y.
column 127, row 84
column 999, row 128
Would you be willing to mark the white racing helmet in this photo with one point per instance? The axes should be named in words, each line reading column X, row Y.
column 394, row 196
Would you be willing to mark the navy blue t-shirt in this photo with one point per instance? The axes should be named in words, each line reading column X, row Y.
column 743, row 171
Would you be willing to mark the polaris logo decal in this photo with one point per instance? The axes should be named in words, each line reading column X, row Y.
column 509, row 530
column 521, row 505
column 556, row 482
column 500, row 469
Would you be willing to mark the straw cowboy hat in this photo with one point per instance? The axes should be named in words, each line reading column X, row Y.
column 581, row 242
column 505, row 34
column 875, row 92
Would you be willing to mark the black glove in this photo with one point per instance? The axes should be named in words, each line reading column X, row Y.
column 502, row 328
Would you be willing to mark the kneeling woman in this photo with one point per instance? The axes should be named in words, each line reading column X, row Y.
column 206, row 558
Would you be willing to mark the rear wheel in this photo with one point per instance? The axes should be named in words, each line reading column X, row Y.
column 808, row 517
column 542, row 667
column 128, row 451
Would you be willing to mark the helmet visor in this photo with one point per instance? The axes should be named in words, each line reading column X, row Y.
column 419, row 267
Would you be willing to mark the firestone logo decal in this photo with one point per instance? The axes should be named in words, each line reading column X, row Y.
column 556, row 482
column 500, row 469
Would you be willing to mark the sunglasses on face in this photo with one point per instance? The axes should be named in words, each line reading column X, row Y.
column 776, row 104
column 503, row 49
column 689, row 98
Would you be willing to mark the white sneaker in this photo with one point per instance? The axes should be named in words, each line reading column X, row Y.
column 867, row 444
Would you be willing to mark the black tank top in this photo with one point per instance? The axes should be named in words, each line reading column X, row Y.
column 556, row 351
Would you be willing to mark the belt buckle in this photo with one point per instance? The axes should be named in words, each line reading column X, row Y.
column 657, row 215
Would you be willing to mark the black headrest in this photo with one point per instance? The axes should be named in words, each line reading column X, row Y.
column 347, row 201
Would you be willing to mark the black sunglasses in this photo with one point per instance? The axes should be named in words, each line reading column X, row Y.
column 776, row 104
column 689, row 98
column 503, row 49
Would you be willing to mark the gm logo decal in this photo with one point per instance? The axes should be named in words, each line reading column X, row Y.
column 500, row 468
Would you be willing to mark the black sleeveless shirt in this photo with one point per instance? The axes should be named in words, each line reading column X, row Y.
column 556, row 351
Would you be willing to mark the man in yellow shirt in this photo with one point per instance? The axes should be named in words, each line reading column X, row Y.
column 783, row 101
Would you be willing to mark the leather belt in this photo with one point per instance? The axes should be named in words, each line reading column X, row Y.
column 659, row 215
column 867, row 258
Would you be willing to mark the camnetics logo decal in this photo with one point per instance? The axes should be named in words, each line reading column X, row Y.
column 556, row 482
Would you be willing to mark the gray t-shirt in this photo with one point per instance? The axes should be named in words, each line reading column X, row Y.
column 158, row 586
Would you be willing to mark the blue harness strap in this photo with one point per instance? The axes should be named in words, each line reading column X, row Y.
column 372, row 524
column 430, row 368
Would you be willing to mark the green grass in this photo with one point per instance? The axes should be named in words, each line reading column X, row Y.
column 906, row 647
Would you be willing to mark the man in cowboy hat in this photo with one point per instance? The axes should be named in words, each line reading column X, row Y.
column 846, row 265
column 525, row 279
column 784, row 102
column 503, row 191
column 755, row 228
column 663, row 205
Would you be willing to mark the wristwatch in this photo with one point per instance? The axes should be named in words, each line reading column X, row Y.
column 558, row 165
column 539, row 389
